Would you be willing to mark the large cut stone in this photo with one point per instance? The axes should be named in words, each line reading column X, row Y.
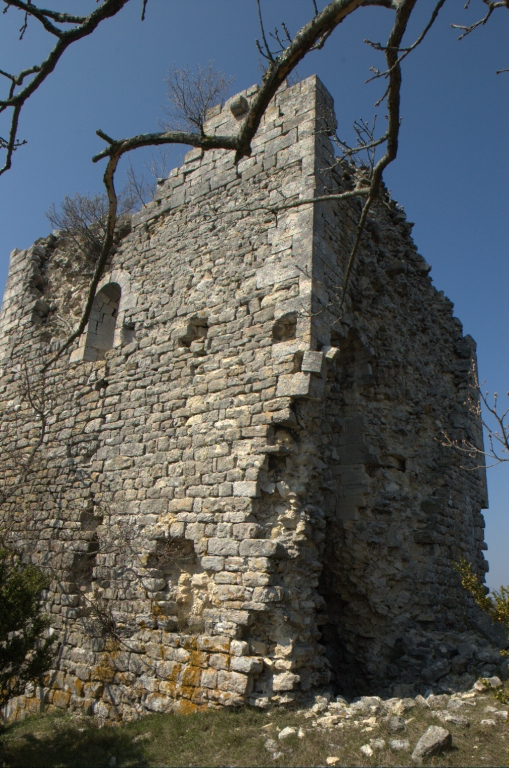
column 433, row 741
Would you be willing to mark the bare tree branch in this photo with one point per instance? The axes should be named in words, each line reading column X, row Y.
column 286, row 206
column 33, row 392
column 324, row 23
column 192, row 94
column 139, row 189
column 29, row 7
column 409, row 49
column 393, row 103
column 265, row 51
column 495, row 423
column 492, row 6
column 32, row 10
column 83, row 219
column 85, row 26
column 281, row 67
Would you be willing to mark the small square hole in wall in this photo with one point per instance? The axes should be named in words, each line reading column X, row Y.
column 197, row 329
column 285, row 328
column 128, row 332
column 170, row 552
column 83, row 564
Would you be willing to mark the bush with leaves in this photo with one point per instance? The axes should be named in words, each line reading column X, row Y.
column 26, row 652
column 496, row 605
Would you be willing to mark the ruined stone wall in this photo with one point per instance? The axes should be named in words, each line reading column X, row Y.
column 400, row 508
column 245, row 498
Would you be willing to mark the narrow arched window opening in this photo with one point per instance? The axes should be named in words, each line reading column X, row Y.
column 102, row 323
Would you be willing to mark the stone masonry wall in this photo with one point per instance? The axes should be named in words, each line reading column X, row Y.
column 246, row 498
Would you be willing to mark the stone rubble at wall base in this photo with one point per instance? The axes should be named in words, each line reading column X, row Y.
column 242, row 493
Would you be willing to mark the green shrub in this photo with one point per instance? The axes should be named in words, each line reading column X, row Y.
column 495, row 605
column 25, row 652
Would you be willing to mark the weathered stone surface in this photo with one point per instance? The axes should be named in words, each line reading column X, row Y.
column 293, row 385
column 399, row 745
column 257, row 548
column 432, row 742
column 450, row 717
column 396, row 724
column 312, row 362
column 233, row 470
column 286, row 681
column 286, row 732
column 247, row 664
column 239, row 106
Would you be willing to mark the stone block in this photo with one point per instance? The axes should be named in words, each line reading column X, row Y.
column 286, row 681
column 268, row 594
column 293, row 385
column 239, row 648
column 214, row 643
column 312, row 362
column 246, row 531
column 258, row 548
column 70, row 600
column 155, row 702
column 249, row 665
column 195, row 531
column 61, row 699
column 245, row 488
column 254, row 579
column 434, row 741
column 258, row 648
column 275, row 273
column 230, row 592
column 234, row 682
column 209, row 678
column 177, row 530
column 225, row 489
column 219, row 661
column 222, row 547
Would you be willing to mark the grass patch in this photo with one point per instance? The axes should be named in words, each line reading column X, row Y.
column 238, row 738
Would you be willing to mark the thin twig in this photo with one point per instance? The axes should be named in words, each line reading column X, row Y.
column 492, row 6
column 275, row 209
column 393, row 104
column 410, row 48
column 267, row 54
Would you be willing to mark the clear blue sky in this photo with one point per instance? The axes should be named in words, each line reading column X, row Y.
column 451, row 175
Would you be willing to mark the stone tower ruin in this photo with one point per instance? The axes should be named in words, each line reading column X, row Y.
column 239, row 490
